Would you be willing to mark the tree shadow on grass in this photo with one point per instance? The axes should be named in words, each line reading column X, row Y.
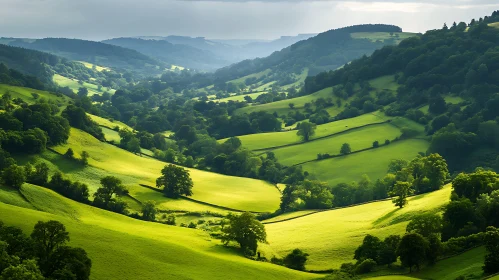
column 386, row 217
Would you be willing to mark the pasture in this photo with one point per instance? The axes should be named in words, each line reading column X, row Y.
column 273, row 139
column 97, row 67
column 74, row 85
column 31, row 96
column 228, row 191
column 282, row 107
column 111, row 124
column 350, row 168
column 381, row 36
column 125, row 248
column 358, row 139
column 240, row 98
column 331, row 237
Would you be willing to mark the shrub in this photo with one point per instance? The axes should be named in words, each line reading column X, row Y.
column 366, row 266
column 459, row 244
column 296, row 260
column 191, row 225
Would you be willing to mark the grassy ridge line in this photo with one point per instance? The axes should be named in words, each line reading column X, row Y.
column 322, row 137
column 202, row 202
column 354, row 152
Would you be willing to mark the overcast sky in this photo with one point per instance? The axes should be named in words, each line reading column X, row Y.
column 223, row 19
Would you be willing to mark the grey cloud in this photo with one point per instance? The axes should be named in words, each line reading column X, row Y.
column 223, row 19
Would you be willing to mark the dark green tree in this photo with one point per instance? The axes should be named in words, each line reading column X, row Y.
column 426, row 224
column 296, row 260
column 345, row 149
column 244, row 229
column 412, row 250
column 14, row 176
column 306, row 130
column 149, row 211
column 369, row 249
column 175, row 181
column 401, row 190
column 388, row 252
column 48, row 237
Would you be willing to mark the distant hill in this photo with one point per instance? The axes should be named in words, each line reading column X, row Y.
column 226, row 51
column 326, row 51
column 178, row 54
column 42, row 65
column 95, row 52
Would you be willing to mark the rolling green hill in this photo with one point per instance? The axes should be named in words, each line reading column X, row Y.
column 327, row 51
column 96, row 53
column 350, row 168
column 331, row 237
column 74, row 85
column 125, row 248
column 105, row 159
column 263, row 141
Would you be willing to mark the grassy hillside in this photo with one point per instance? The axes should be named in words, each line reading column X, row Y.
column 234, row 192
column 381, row 36
column 350, row 168
column 108, row 123
column 26, row 94
column 282, row 107
column 240, row 97
column 358, row 140
column 273, row 139
column 74, row 85
column 97, row 67
column 124, row 248
column 331, row 237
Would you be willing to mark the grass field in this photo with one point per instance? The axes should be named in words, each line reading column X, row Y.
column 254, row 75
column 375, row 36
column 240, row 97
column 358, row 140
column 266, row 86
column 109, row 124
column 282, row 107
column 111, row 135
column 26, row 94
column 233, row 192
column 496, row 25
column 350, row 168
column 467, row 264
column 331, row 237
column 273, row 139
column 124, row 248
column 97, row 67
column 74, row 85
column 300, row 80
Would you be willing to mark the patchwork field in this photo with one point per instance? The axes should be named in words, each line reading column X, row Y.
column 125, row 248
column 240, row 97
column 97, row 67
column 350, row 168
column 358, row 140
column 74, row 85
column 233, row 192
column 273, row 139
column 282, row 107
column 331, row 237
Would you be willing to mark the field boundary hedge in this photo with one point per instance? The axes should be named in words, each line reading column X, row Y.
column 322, row 137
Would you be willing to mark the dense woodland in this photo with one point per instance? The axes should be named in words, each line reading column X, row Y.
column 449, row 61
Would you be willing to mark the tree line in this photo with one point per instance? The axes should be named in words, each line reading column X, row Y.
column 44, row 254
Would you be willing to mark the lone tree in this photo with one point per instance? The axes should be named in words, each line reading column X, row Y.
column 149, row 211
column 291, row 105
column 412, row 250
column 306, row 130
column 296, row 260
column 345, row 149
column 14, row 176
column 176, row 181
column 246, row 230
column 401, row 191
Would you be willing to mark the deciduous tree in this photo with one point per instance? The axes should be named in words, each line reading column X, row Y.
column 175, row 181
